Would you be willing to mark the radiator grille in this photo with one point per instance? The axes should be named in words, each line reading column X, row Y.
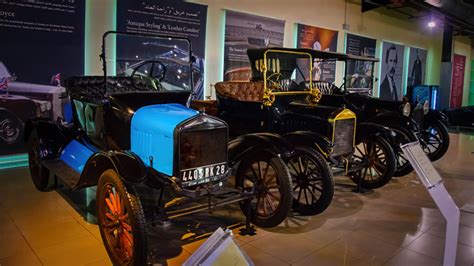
column 344, row 131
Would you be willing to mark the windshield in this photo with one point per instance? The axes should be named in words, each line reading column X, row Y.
column 284, row 71
column 151, row 63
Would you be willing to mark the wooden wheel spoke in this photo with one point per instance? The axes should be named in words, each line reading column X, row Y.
column 266, row 170
column 294, row 167
column 360, row 151
column 313, row 196
column 254, row 173
column 273, row 196
column 316, row 188
column 126, row 226
column 371, row 174
column 362, row 176
column 306, row 196
column 118, row 205
column 306, row 167
column 378, row 172
column 260, row 170
column 300, row 165
column 270, row 202
column 299, row 195
column 110, row 205
column 379, row 164
column 109, row 216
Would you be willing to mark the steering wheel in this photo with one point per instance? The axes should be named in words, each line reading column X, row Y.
column 148, row 78
column 274, row 80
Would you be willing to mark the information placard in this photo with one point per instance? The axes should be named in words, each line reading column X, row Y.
column 422, row 164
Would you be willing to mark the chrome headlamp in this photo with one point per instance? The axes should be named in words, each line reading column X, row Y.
column 426, row 107
column 406, row 109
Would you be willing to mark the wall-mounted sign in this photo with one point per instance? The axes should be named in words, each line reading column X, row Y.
column 391, row 73
column 416, row 66
column 168, row 18
column 359, row 76
column 42, row 42
column 457, row 80
column 319, row 39
column 244, row 31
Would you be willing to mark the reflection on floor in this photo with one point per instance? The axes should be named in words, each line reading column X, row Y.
column 396, row 225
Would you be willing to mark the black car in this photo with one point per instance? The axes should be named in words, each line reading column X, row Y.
column 461, row 116
column 410, row 119
column 152, row 158
column 281, row 99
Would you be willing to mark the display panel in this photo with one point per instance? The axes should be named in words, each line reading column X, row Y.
column 359, row 75
column 457, row 80
column 416, row 66
column 391, row 73
column 42, row 44
column 244, row 31
column 168, row 18
column 319, row 39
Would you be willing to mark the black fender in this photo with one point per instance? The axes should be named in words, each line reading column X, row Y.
column 244, row 144
column 310, row 138
column 127, row 164
column 435, row 115
column 366, row 130
column 394, row 119
column 53, row 136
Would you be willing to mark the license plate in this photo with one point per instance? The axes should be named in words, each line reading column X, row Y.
column 203, row 174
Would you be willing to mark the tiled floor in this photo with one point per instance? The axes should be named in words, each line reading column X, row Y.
column 396, row 225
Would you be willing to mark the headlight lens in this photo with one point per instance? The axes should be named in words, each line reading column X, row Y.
column 426, row 107
column 406, row 109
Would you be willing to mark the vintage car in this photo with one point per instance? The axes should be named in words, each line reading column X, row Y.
column 411, row 119
column 461, row 116
column 281, row 99
column 14, row 112
column 152, row 158
column 48, row 98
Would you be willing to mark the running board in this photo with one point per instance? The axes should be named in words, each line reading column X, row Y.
column 63, row 171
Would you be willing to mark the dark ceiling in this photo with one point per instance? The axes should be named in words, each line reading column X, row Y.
column 458, row 13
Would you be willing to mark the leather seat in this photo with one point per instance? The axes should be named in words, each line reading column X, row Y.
column 251, row 91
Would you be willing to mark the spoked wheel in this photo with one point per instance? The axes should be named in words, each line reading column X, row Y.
column 39, row 173
column 121, row 221
column 11, row 128
column 313, row 184
column 379, row 163
column 267, row 176
column 403, row 165
column 435, row 140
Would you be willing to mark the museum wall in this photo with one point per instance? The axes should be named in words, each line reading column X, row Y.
column 326, row 14
column 462, row 46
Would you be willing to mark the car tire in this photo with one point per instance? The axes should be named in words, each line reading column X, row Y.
column 312, row 179
column 121, row 221
column 11, row 128
column 39, row 173
column 382, row 167
column 267, row 174
column 403, row 165
column 442, row 136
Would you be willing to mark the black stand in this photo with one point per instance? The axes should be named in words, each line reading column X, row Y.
column 359, row 188
column 249, row 229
